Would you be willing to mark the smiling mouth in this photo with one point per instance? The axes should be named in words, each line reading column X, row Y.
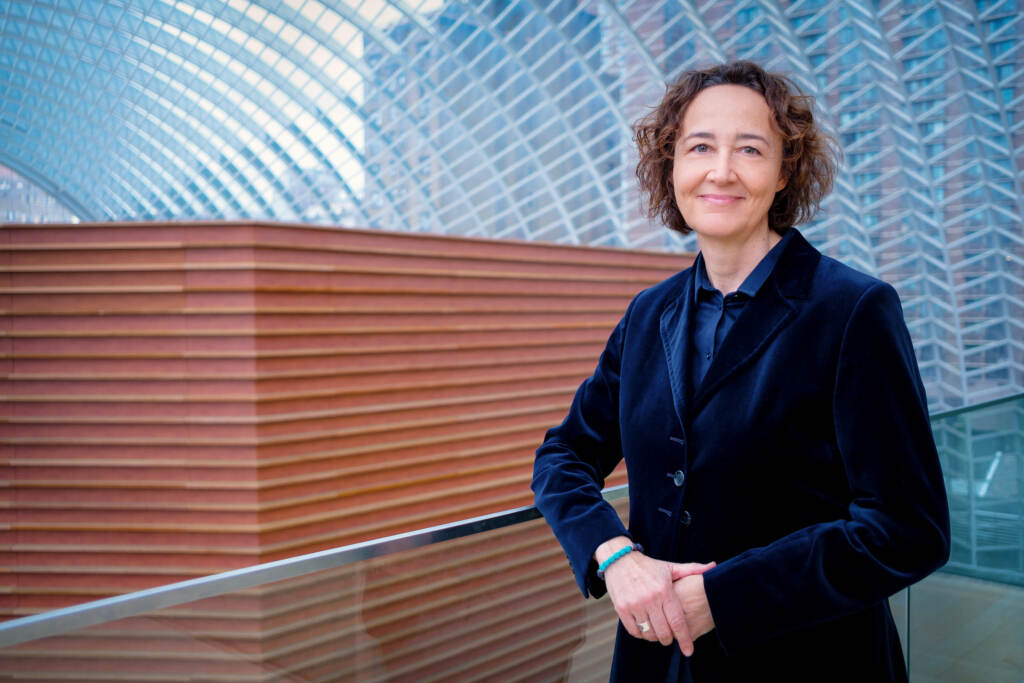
column 720, row 198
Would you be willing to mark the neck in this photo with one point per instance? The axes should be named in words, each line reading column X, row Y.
column 729, row 263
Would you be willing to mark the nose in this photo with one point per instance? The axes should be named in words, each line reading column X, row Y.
column 721, row 169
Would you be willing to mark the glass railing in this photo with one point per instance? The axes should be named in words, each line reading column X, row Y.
column 485, row 599
column 982, row 454
column 967, row 621
column 492, row 598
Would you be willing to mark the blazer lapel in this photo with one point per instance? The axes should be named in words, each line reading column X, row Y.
column 764, row 316
column 676, row 319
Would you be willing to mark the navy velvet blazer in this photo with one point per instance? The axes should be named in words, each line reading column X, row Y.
column 803, row 464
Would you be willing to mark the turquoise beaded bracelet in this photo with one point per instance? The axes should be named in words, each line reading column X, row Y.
column 617, row 555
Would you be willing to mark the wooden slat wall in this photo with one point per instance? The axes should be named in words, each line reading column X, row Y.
column 180, row 399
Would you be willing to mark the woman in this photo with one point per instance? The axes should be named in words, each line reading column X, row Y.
column 770, row 412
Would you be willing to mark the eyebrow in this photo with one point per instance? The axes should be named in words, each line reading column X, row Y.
column 704, row 135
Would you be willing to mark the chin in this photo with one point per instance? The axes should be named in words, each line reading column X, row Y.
column 726, row 230
column 717, row 231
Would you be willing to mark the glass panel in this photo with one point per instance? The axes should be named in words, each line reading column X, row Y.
column 967, row 621
column 982, row 454
column 497, row 605
column 503, row 603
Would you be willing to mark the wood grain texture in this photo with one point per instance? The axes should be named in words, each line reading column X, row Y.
column 180, row 399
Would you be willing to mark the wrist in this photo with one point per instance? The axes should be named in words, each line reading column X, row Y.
column 616, row 557
column 695, row 604
column 610, row 547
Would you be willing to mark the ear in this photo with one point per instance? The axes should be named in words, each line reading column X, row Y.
column 782, row 182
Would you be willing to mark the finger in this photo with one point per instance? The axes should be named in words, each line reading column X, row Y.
column 680, row 571
column 680, row 629
column 643, row 625
column 630, row 623
column 660, row 628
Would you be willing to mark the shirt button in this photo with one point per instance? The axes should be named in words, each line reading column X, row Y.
column 678, row 477
column 685, row 519
column 707, row 355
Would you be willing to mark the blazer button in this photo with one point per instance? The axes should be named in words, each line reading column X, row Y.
column 685, row 519
column 678, row 477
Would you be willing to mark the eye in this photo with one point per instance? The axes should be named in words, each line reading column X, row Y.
column 750, row 151
column 700, row 148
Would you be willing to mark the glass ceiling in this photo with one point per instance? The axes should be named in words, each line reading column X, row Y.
column 512, row 120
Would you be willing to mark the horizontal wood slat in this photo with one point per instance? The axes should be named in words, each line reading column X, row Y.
column 186, row 398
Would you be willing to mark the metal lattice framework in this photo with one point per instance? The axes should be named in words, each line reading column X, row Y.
column 511, row 119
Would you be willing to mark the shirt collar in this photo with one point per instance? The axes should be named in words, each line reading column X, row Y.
column 753, row 282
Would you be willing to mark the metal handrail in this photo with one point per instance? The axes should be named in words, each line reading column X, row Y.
column 975, row 406
column 64, row 620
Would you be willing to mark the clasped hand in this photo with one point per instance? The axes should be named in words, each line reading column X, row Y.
column 667, row 597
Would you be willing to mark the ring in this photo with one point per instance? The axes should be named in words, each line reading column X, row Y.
column 643, row 626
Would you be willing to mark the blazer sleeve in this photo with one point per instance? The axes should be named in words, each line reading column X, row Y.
column 572, row 463
column 897, row 527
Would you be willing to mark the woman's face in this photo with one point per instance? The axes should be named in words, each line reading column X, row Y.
column 728, row 163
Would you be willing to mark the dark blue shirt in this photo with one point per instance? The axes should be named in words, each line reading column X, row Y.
column 715, row 314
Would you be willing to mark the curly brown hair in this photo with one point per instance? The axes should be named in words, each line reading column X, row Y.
column 809, row 158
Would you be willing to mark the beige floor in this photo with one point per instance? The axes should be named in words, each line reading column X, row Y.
column 966, row 630
column 961, row 631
